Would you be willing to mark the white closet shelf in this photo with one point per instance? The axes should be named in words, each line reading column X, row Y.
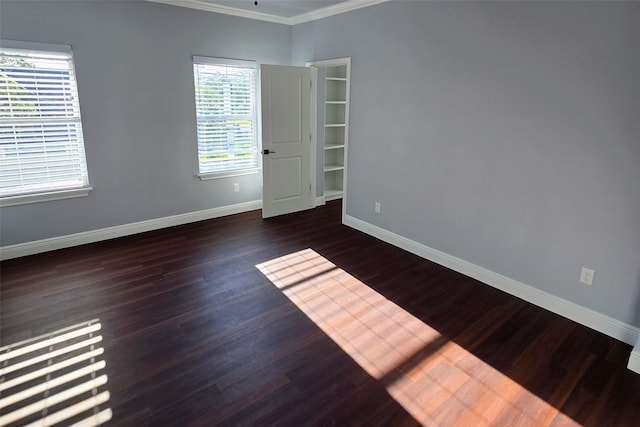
column 332, row 193
column 336, row 167
column 335, row 123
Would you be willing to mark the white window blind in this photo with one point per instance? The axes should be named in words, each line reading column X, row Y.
column 41, row 144
column 226, row 115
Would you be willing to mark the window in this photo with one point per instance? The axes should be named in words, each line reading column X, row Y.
column 41, row 145
column 225, row 116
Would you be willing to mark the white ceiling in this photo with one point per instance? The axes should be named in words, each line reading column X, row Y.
column 283, row 8
column 289, row 12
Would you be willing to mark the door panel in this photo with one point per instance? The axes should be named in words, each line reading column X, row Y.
column 286, row 111
column 283, row 187
column 286, row 130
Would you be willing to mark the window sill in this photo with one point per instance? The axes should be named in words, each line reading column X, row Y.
column 227, row 174
column 44, row 197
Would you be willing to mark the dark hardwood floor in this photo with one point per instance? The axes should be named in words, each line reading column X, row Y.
column 195, row 334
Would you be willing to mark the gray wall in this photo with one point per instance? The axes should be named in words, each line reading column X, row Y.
column 504, row 133
column 135, row 83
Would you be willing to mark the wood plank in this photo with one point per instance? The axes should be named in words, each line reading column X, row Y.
column 195, row 334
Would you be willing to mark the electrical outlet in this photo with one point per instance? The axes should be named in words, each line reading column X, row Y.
column 586, row 276
column 377, row 207
column 236, row 188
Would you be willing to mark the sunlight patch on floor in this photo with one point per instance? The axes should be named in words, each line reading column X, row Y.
column 54, row 378
column 437, row 381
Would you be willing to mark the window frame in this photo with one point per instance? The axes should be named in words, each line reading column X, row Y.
column 52, row 192
column 206, row 60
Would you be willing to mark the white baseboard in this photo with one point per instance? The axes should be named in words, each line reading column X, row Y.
column 585, row 316
column 634, row 360
column 320, row 200
column 54, row 243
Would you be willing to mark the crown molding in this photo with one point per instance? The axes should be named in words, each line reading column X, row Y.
column 325, row 12
column 335, row 9
column 217, row 8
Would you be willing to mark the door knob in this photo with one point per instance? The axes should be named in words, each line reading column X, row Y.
column 267, row 151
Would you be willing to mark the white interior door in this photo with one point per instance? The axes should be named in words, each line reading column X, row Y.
column 286, row 139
